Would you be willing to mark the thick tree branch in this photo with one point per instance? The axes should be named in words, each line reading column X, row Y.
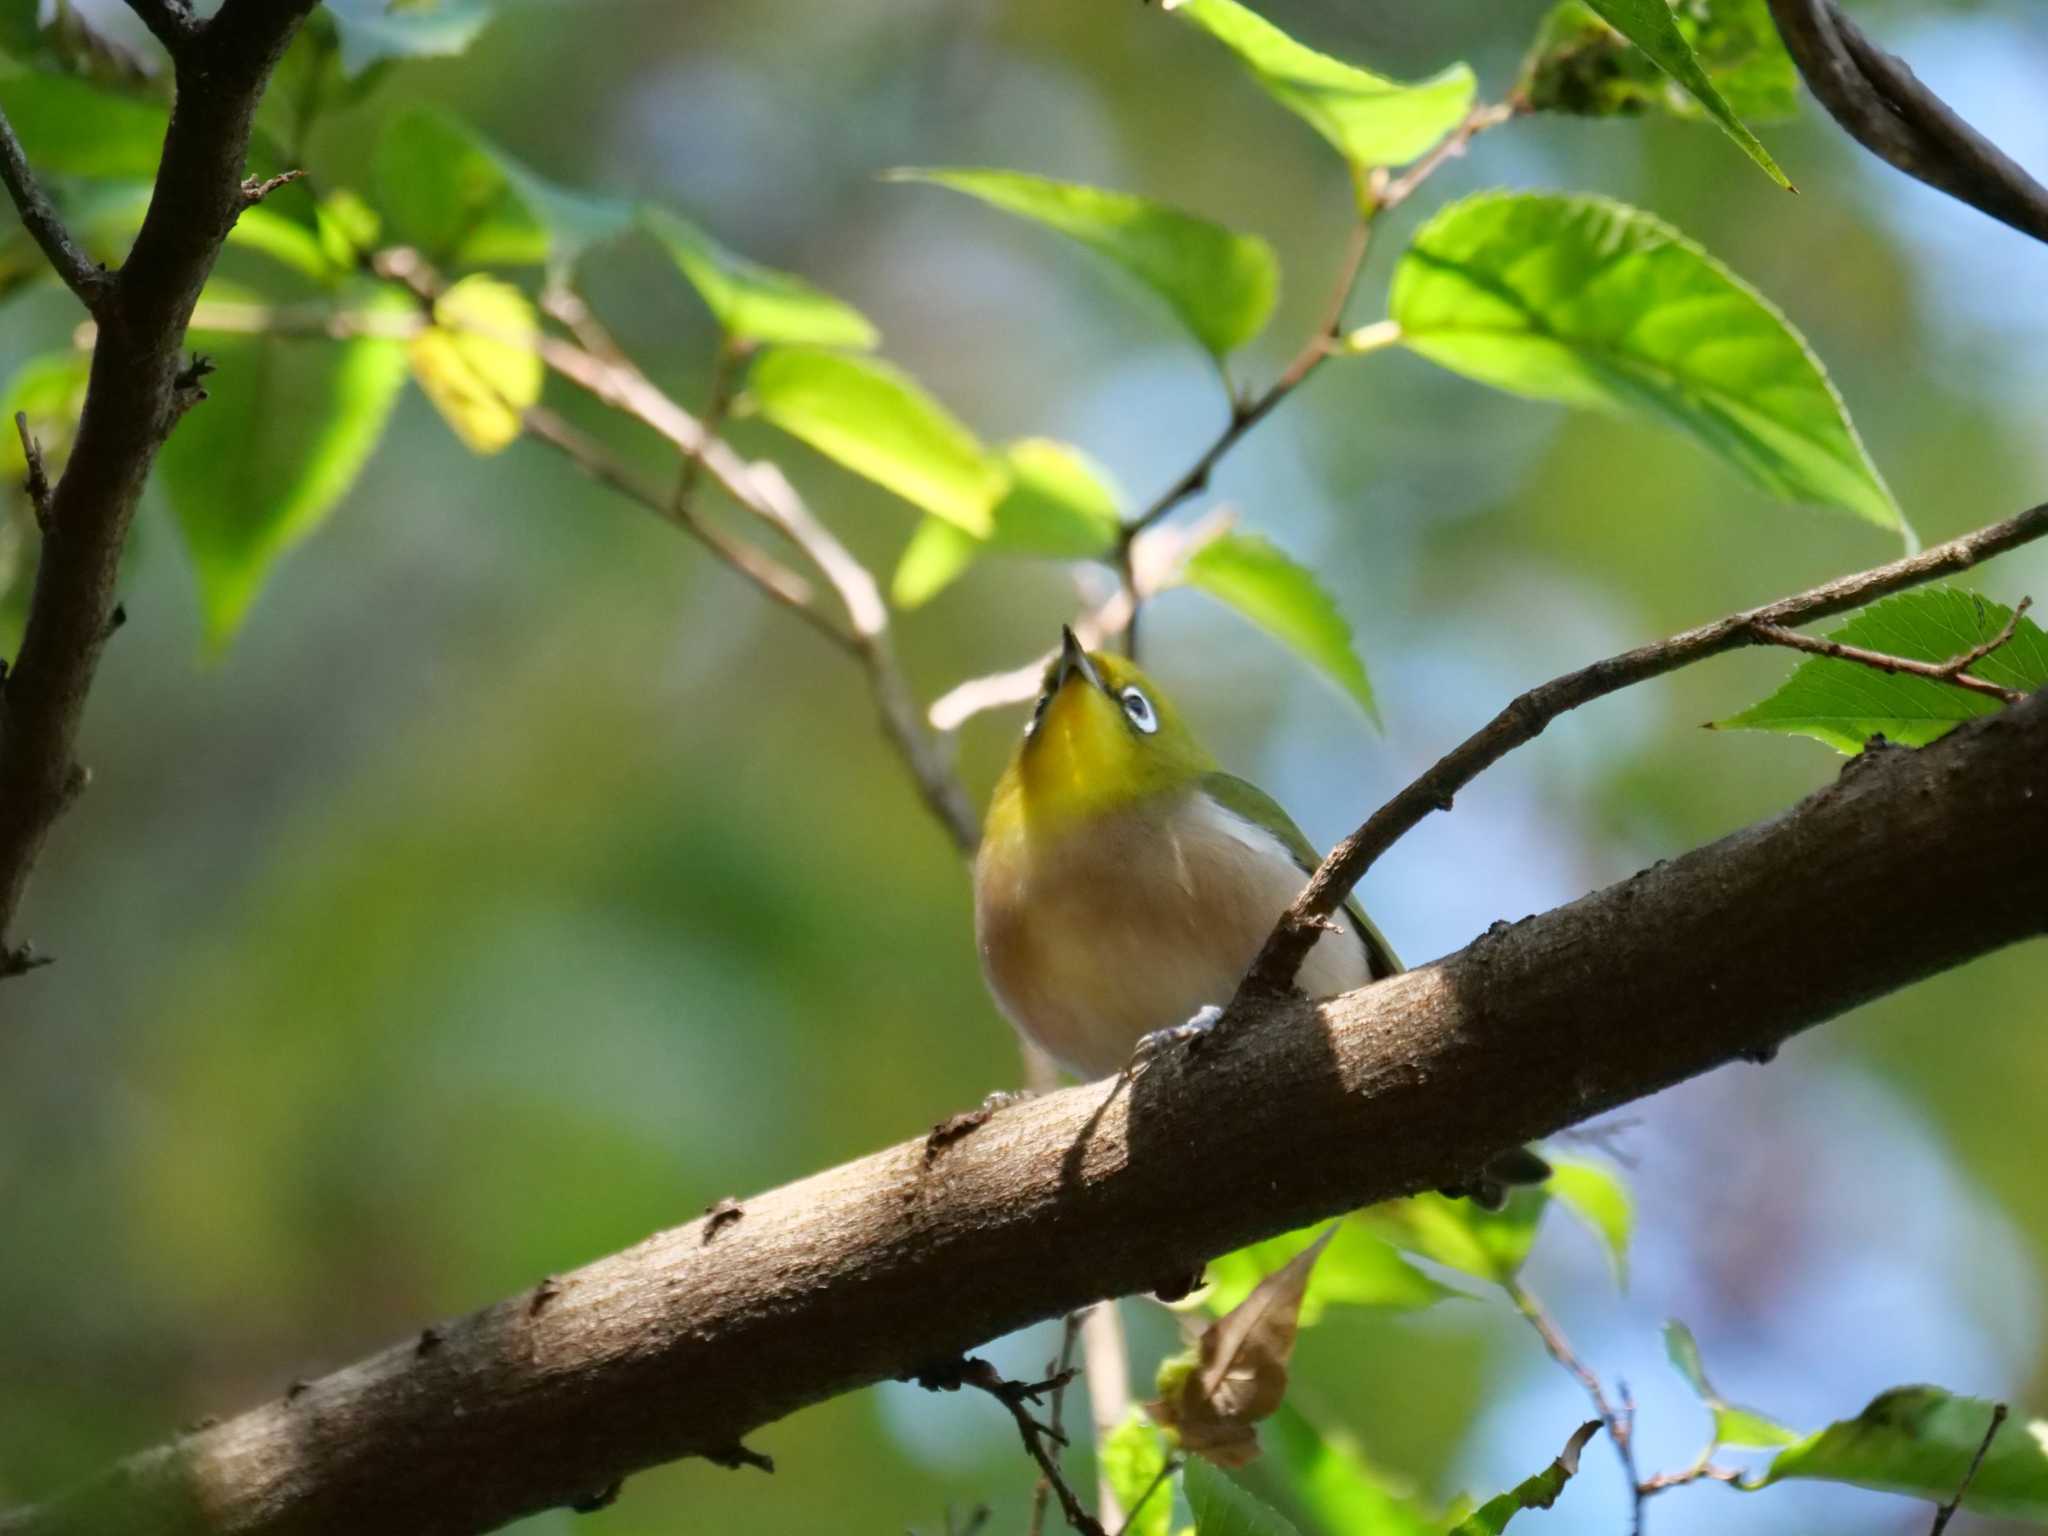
column 132, row 401
column 909, row 1258
column 1886, row 109
column 1525, row 718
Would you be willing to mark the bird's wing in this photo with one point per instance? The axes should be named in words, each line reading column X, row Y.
column 1263, row 811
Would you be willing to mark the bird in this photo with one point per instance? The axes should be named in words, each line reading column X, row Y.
column 1124, row 883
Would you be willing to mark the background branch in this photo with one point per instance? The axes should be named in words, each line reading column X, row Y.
column 1525, row 718
column 132, row 401
column 81, row 274
column 1886, row 109
column 694, row 1338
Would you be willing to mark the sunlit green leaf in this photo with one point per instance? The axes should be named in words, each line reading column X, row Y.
column 1059, row 507
column 462, row 201
column 1538, row 1492
column 50, row 391
column 372, row 31
column 254, row 468
column 1370, row 119
column 1845, row 703
column 1133, row 1457
column 751, row 302
column 1732, row 1425
column 1220, row 284
column 1920, row 1441
column 1328, row 1476
column 1223, row 1508
column 477, row 361
column 70, row 128
column 1650, row 25
column 1592, row 303
column 1596, row 1195
column 1581, row 65
column 1357, row 1269
column 1274, row 591
column 1489, row 1244
column 876, row 421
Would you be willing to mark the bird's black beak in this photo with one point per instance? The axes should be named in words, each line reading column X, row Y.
column 1074, row 659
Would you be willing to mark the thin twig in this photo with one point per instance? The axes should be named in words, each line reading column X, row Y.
column 1166, row 1470
column 1701, row 1471
column 255, row 188
column 37, row 483
column 1062, row 1372
column 1525, row 718
column 1019, row 1397
column 1943, row 1515
column 724, row 381
column 1954, row 670
column 1889, row 112
column 1619, row 1422
column 82, row 275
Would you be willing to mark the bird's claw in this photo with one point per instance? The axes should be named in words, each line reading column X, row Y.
column 1202, row 1024
column 1003, row 1098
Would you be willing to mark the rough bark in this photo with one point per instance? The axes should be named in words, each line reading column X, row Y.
column 1912, row 862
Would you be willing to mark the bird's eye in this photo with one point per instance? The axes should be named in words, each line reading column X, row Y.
column 1139, row 709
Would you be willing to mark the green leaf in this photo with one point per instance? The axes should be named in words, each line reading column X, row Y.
column 1059, row 507
column 753, row 303
column 1582, row 66
column 1326, row 1474
column 1596, row 1195
column 1491, row 1245
column 70, row 128
column 464, row 202
column 477, row 361
column 286, row 426
column 1220, row 284
column 1133, row 1455
column 1592, row 303
column 50, row 391
column 1650, row 25
column 1732, row 1425
column 1920, row 1441
column 1370, row 119
column 372, row 31
column 1358, row 1269
column 1845, row 703
column 1222, row 1507
column 876, row 421
column 1284, row 598
column 1538, row 1492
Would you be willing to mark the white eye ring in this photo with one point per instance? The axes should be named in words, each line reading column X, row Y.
column 1139, row 709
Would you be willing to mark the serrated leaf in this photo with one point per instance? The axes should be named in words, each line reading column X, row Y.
column 1538, row 1492
column 1220, row 284
column 1490, row 1245
column 1596, row 1195
column 1222, row 1507
column 372, row 31
column 878, row 422
column 1845, row 703
column 1133, row 1457
column 1920, row 1441
column 1060, row 506
column 1283, row 597
column 1596, row 304
column 1650, row 25
column 1324, row 1473
column 1370, row 119
column 1357, row 1269
column 1733, row 1425
column 477, row 361
column 462, row 201
column 1582, row 66
column 753, row 303
column 256, row 467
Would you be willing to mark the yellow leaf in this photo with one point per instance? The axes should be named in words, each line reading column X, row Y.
column 477, row 361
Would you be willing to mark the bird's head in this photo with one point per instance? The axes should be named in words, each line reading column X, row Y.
column 1101, row 736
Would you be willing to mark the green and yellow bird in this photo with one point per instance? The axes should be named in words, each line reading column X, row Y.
column 1125, row 881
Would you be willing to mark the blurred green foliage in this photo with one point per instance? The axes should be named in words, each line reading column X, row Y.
column 518, row 883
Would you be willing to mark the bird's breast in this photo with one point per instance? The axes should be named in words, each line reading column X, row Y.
column 1135, row 922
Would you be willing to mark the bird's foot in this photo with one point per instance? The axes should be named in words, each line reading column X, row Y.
column 1004, row 1098
column 1149, row 1046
